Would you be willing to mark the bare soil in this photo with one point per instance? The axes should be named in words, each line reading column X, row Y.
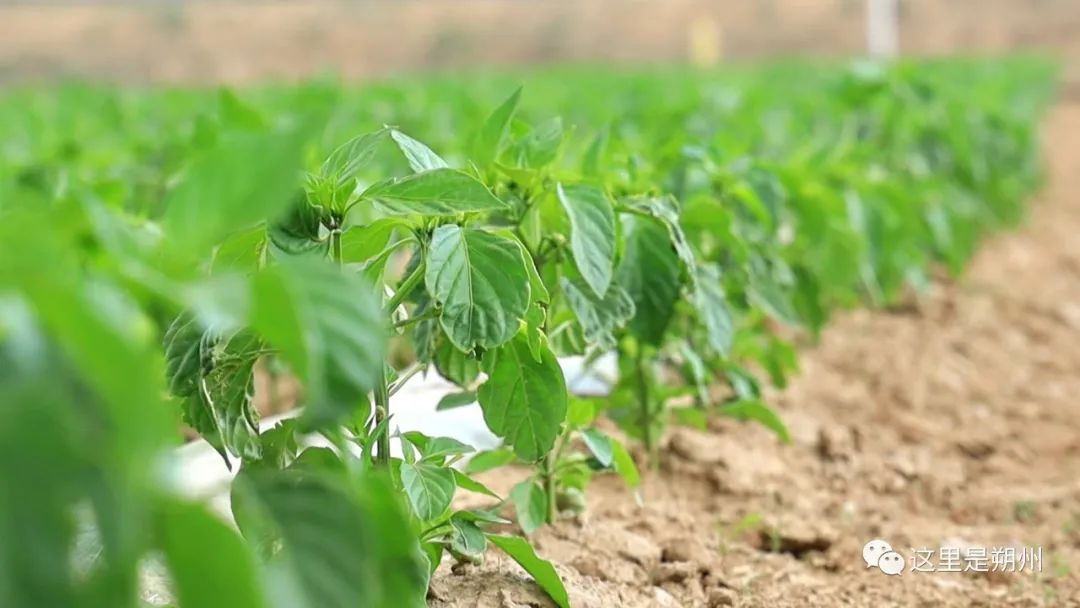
column 950, row 422
column 233, row 41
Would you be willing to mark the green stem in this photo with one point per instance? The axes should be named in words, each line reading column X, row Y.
column 645, row 410
column 550, row 470
column 335, row 246
column 403, row 378
column 382, row 390
column 382, row 410
column 407, row 286
column 431, row 314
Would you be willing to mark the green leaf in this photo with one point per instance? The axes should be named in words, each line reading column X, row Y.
column 436, row 192
column 590, row 162
column 480, row 281
column 437, row 447
column 624, row 464
column 244, row 179
column 541, row 146
column 600, row 445
column 488, row 460
column 711, row 304
column 450, row 401
column 531, row 505
column 580, row 412
column 343, row 166
column 227, row 390
column 362, row 243
column 329, row 327
column 455, row 365
column 540, row 569
column 489, row 139
column 753, row 409
column 666, row 211
column 468, row 483
column 468, row 539
column 600, row 318
column 649, row 272
column 243, row 251
column 592, row 233
column 332, row 542
column 523, row 400
column 183, row 361
column 298, row 231
column 420, row 157
column 430, row 489
column 208, row 562
column 699, row 373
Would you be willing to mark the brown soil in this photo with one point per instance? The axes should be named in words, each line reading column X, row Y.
column 954, row 422
column 233, row 41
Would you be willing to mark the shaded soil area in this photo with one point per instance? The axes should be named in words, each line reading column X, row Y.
column 951, row 422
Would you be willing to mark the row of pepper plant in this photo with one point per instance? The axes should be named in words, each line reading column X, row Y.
column 685, row 227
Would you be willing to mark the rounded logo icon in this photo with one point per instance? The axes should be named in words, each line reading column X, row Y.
column 891, row 563
column 873, row 550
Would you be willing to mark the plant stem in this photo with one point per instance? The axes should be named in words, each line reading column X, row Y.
column 404, row 377
column 335, row 245
column 645, row 409
column 382, row 410
column 431, row 314
column 407, row 286
column 382, row 390
column 550, row 468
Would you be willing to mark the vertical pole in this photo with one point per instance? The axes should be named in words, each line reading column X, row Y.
column 882, row 27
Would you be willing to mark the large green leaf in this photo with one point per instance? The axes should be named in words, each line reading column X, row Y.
column 333, row 543
column 649, row 272
column 523, row 399
column 592, row 233
column 600, row 318
column 438, row 192
column 430, row 489
column 245, row 178
column 329, row 327
column 541, row 570
column 481, row 282
column 208, row 562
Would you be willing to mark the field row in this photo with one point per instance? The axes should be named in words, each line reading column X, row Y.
column 164, row 251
